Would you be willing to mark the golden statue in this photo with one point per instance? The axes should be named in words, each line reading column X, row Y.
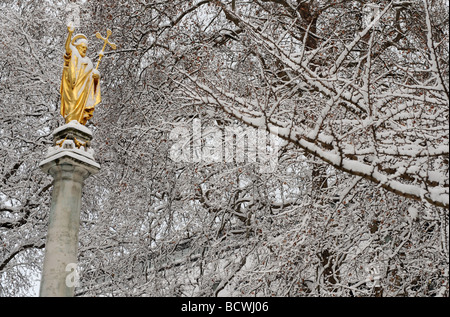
column 80, row 84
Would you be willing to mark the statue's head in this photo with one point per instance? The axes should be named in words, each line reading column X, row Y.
column 82, row 46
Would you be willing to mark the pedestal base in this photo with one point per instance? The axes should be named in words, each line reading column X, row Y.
column 72, row 140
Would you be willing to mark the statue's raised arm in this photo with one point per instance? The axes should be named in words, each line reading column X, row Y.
column 69, row 39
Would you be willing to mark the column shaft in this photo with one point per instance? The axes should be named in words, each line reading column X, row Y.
column 62, row 240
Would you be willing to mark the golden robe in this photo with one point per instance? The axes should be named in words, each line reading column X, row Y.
column 79, row 91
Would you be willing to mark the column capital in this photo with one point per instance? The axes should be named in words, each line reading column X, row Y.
column 67, row 162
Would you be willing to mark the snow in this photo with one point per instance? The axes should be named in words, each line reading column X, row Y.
column 413, row 212
column 73, row 124
column 71, row 154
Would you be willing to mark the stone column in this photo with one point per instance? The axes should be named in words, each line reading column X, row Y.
column 69, row 161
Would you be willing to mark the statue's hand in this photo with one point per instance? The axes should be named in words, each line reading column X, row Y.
column 95, row 74
column 70, row 28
